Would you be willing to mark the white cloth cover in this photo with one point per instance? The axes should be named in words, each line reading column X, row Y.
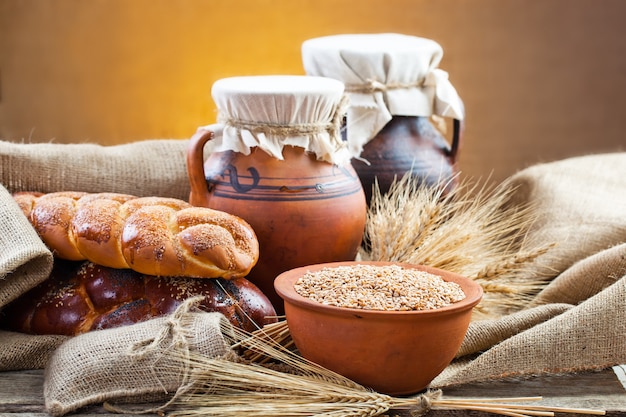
column 385, row 75
column 272, row 111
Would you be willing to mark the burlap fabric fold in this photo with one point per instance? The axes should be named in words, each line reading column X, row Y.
column 24, row 351
column 24, row 262
column 24, row 259
column 145, row 168
column 578, row 321
column 141, row 363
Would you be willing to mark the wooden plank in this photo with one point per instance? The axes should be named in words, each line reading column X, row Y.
column 590, row 390
column 21, row 394
column 21, row 391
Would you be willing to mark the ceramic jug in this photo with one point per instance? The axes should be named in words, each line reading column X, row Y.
column 410, row 144
column 277, row 160
column 395, row 88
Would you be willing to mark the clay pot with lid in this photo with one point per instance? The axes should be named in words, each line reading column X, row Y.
column 395, row 88
column 277, row 160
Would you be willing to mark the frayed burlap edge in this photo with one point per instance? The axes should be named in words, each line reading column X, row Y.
column 140, row 363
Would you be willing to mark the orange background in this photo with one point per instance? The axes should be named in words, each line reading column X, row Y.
column 541, row 79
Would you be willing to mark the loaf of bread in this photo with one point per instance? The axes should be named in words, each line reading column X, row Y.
column 80, row 296
column 152, row 235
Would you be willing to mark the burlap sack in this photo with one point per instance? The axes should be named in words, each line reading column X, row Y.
column 581, row 203
column 145, row 168
column 141, row 363
column 154, row 167
column 578, row 322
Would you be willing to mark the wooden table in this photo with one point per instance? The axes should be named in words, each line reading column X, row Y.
column 21, row 393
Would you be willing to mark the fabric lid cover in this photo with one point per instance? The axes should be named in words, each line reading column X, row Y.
column 272, row 111
column 385, row 75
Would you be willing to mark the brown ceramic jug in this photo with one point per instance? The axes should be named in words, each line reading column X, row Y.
column 303, row 210
column 410, row 144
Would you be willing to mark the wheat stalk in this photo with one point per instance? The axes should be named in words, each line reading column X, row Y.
column 233, row 386
column 473, row 231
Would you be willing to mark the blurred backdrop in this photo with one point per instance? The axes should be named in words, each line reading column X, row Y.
column 541, row 79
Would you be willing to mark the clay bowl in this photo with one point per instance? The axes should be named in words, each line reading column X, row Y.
column 391, row 352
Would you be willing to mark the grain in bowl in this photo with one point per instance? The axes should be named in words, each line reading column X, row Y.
column 392, row 352
column 378, row 287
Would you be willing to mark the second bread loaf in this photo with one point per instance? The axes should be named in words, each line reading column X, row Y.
column 151, row 235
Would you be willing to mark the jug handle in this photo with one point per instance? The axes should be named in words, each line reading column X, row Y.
column 200, row 192
column 457, row 136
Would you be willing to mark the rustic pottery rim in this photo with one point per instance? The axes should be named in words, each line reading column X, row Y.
column 284, row 285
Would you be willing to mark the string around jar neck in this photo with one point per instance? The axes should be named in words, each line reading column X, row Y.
column 286, row 130
column 373, row 86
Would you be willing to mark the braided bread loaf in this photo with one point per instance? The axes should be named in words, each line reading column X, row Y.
column 152, row 235
column 81, row 296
